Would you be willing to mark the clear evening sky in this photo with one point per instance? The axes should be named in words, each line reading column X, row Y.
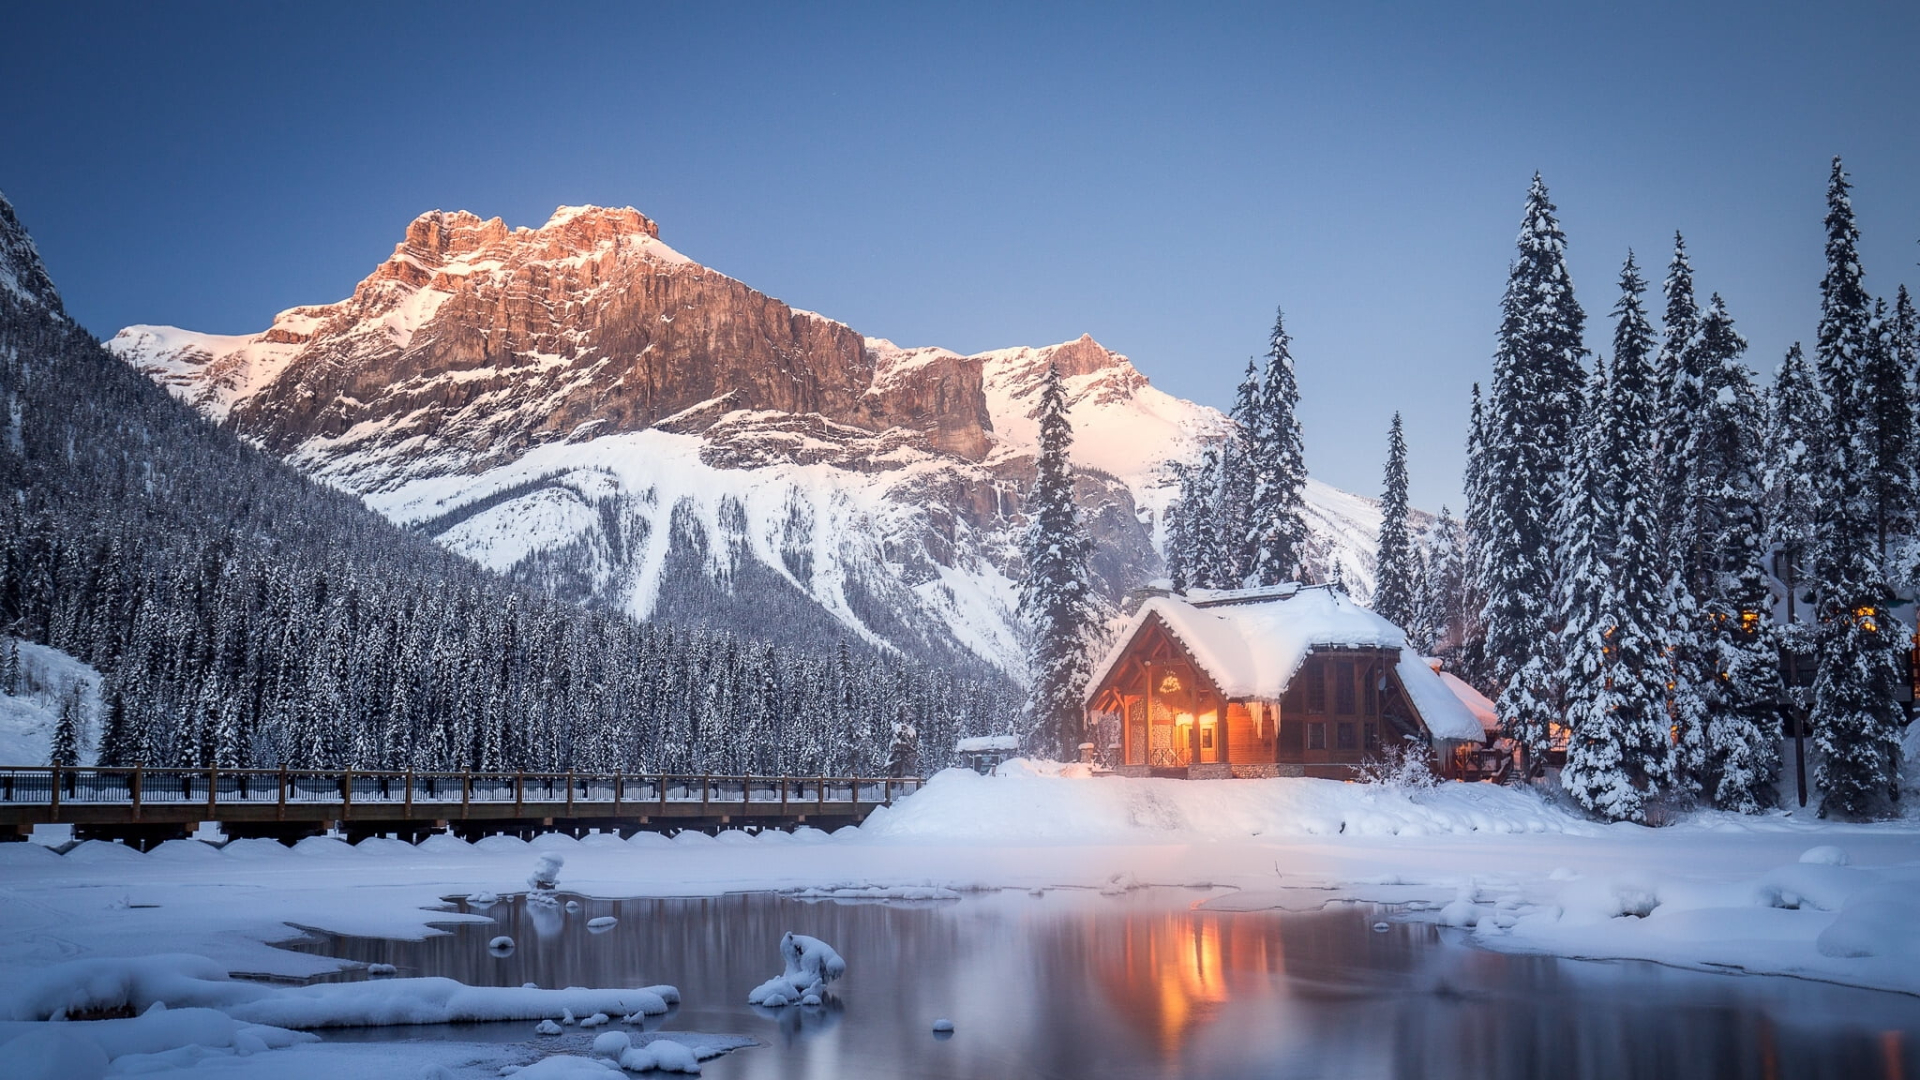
column 979, row 176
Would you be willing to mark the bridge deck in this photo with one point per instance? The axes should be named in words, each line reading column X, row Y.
column 111, row 801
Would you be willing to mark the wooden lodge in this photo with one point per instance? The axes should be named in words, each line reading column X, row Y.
column 1290, row 680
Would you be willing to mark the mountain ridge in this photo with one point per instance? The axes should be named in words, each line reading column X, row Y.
column 649, row 433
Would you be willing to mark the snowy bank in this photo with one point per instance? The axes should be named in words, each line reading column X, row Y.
column 1025, row 806
column 106, row 985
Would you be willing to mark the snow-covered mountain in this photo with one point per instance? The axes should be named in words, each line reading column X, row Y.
column 583, row 406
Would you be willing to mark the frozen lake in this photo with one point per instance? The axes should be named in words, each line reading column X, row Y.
column 1152, row 984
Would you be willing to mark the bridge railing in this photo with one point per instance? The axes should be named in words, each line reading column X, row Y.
column 43, row 785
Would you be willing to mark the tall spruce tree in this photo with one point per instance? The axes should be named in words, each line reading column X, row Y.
column 1678, row 391
column 1234, row 502
column 1856, row 719
column 1618, row 751
column 1528, row 438
column 1470, row 651
column 1796, row 414
column 1732, row 751
column 1888, row 416
column 1056, row 596
column 1708, row 497
column 10, row 667
column 1396, row 578
column 1276, row 525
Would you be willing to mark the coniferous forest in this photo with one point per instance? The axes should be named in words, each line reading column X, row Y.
column 1664, row 566
column 243, row 616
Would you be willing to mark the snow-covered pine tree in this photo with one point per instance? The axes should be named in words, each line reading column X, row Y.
column 1595, row 772
column 1177, row 535
column 66, row 731
column 1056, row 597
column 1856, row 721
column 1678, row 374
column 1213, row 558
column 1396, row 562
column 1709, row 496
column 1276, row 524
column 1888, row 415
column 1613, row 587
column 10, row 667
column 1444, row 612
column 1735, row 755
column 1527, row 436
column 1796, row 414
column 1234, row 501
column 1469, row 657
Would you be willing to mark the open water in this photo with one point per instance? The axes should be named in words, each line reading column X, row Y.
column 1150, row 984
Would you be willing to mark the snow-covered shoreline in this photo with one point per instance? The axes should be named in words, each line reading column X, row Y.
column 1714, row 892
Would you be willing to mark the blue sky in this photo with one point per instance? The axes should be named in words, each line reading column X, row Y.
column 977, row 176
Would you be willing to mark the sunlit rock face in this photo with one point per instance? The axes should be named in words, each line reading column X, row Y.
column 584, row 406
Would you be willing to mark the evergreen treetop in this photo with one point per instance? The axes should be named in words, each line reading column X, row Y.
column 1396, row 560
column 1276, row 527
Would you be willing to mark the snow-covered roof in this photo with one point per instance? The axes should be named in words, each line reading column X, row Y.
column 1251, row 641
column 987, row 744
column 1475, row 701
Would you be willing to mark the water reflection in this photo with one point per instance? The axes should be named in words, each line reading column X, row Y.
column 1075, row 984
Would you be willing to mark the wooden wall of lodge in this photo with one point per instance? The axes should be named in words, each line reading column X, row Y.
column 1334, row 711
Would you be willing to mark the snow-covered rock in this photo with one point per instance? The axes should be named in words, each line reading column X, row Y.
column 810, row 965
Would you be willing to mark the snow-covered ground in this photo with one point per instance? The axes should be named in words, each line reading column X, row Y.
column 1780, row 894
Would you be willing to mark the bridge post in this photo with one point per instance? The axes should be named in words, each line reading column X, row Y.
column 280, row 814
column 822, row 793
column 409, row 810
column 569, row 792
column 213, row 791
column 139, row 774
column 706, row 789
column 783, row 796
column 466, row 792
column 663, row 794
column 53, row 792
column 616, row 798
column 519, row 791
column 346, row 795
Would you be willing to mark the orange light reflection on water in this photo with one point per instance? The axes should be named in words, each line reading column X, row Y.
column 1172, row 968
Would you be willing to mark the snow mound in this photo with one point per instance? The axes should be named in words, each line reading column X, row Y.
column 810, row 965
column 80, row 1051
column 1825, row 855
column 660, row 1055
column 958, row 805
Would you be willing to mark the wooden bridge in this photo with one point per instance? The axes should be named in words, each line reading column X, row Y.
column 146, row 806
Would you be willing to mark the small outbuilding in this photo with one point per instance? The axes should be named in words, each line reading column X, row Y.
column 1289, row 680
column 982, row 753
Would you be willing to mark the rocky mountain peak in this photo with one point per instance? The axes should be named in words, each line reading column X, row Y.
column 21, row 272
column 1082, row 356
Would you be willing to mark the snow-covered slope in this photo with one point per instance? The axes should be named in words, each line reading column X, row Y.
column 587, row 408
column 48, row 678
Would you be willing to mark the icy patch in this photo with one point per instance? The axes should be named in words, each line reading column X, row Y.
column 876, row 893
column 810, row 965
